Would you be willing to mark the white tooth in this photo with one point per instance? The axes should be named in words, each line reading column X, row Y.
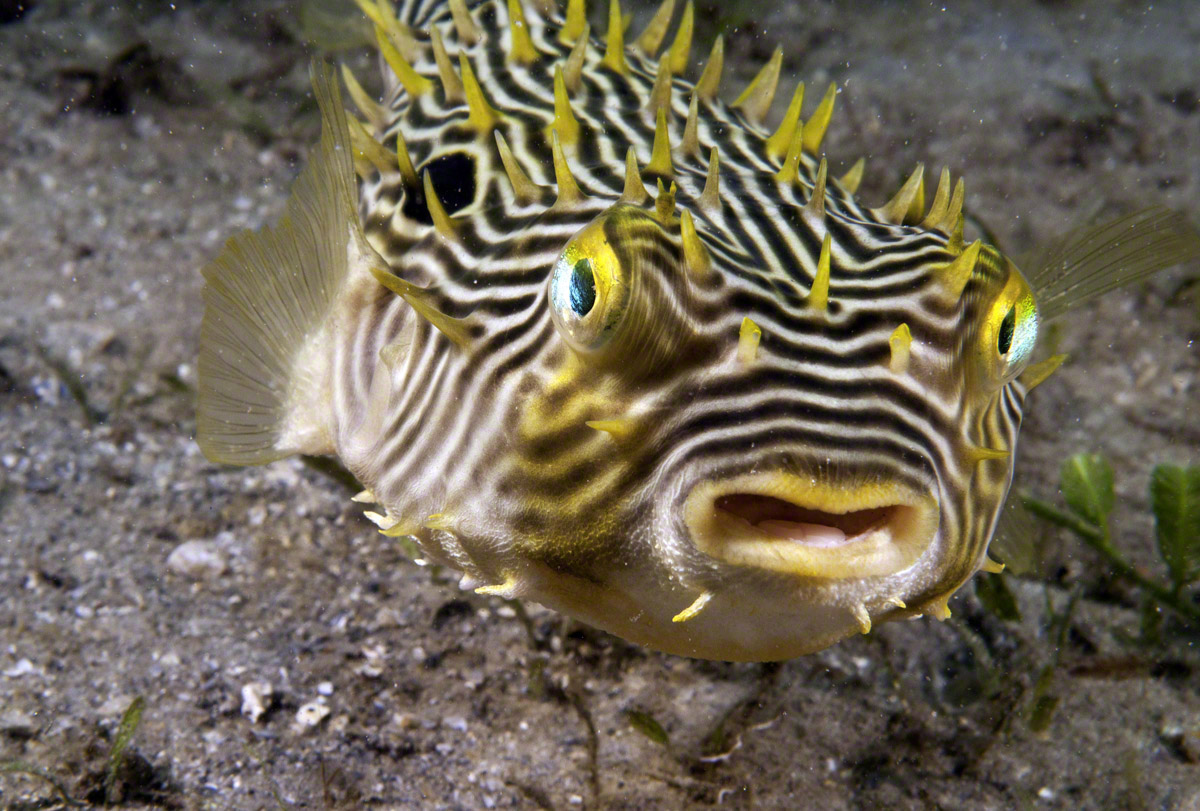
column 812, row 534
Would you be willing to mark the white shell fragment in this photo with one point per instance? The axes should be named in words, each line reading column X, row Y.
column 257, row 697
column 310, row 716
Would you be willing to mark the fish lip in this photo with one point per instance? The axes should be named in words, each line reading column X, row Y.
column 887, row 525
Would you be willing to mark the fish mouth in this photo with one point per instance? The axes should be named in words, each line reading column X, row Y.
column 793, row 525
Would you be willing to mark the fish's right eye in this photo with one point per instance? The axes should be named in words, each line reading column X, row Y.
column 1009, row 330
column 1007, row 326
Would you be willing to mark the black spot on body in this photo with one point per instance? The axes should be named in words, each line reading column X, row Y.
column 453, row 178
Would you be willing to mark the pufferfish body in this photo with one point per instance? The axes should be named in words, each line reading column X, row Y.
column 597, row 338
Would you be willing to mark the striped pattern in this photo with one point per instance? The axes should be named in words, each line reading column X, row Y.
column 562, row 472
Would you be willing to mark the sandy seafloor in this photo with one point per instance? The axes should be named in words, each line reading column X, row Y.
column 441, row 699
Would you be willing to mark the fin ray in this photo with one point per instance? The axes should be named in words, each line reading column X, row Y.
column 266, row 295
column 1094, row 260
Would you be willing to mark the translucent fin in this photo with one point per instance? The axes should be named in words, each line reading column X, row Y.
column 1015, row 541
column 266, row 296
column 1092, row 260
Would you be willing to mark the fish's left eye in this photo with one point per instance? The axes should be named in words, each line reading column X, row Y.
column 617, row 298
column 589, row 292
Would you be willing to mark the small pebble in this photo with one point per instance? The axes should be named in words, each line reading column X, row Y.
column 197, row 560
column 23, row 667
column 256, row 699
column 17, row 724
column 310, row 715
column 1185, row 740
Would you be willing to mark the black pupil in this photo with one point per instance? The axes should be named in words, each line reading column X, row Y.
column 583, row 288
column 1007, row 326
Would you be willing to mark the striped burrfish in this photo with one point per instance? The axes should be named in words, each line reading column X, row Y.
column 594, row 334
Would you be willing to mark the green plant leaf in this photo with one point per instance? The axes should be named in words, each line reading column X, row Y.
column 1042, row 712
column 1087, row 485
column 129, row 724
column 644, row 723
column 1175, row 498
column 1016, row 541
column 993, row 592
column 1045, row 701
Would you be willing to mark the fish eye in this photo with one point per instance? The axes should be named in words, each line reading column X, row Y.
column 589, row 291
column 1011, row 330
